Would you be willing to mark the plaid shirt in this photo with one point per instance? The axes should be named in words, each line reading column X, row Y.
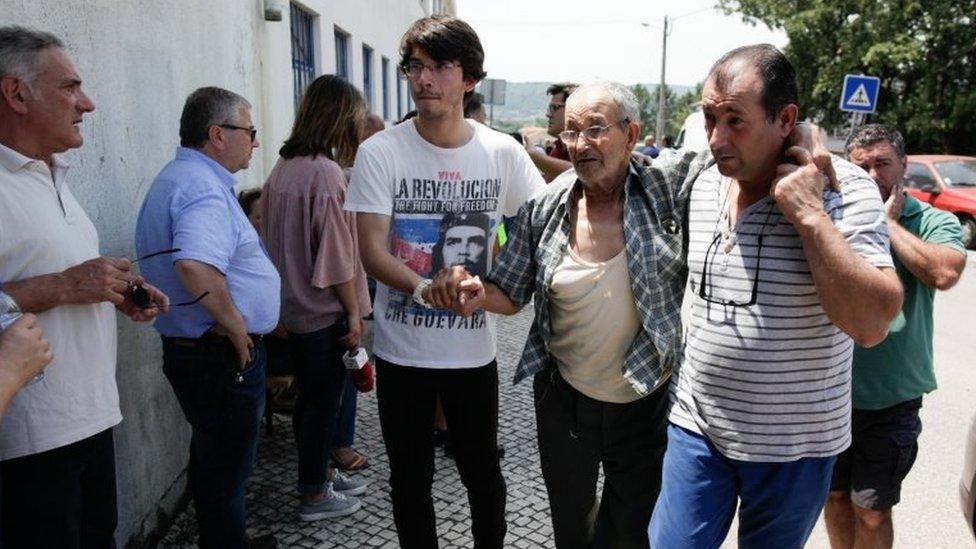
column 655, row 200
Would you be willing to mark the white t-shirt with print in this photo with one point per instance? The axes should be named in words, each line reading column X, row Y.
column 445, row 206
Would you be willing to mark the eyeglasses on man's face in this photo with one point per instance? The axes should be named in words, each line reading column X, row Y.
column 553, row 108
column 414, row 69
column 591, row 134
column 252, row 131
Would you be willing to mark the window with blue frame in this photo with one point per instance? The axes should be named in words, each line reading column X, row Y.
column 385, row 82
column 302, row 50
column 368, row 75
column 342, row 53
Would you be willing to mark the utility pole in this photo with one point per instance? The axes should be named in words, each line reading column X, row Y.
column 659, row 130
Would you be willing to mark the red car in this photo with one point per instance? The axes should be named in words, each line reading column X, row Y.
column 947, row 182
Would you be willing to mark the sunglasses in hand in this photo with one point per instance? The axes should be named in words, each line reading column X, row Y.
column 140, row 295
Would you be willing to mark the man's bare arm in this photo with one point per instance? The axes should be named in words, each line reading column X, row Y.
column 548, row 165
column 937, row 266
column 374, row 232
column 94, row 281
column 858, row 297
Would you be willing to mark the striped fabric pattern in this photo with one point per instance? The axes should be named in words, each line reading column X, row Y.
column 769, row 382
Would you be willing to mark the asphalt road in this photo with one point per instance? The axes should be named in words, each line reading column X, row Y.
column 929, row 516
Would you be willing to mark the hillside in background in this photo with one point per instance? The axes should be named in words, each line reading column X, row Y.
column 525, row 102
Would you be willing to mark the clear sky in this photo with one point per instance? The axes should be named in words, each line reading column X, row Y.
column 581, row 40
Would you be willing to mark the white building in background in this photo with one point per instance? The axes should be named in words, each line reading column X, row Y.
column 358, row 40
column 139, row 59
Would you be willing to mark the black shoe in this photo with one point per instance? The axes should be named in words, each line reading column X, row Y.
column 264, row 541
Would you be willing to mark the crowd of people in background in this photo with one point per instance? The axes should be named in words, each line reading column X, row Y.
column 796, row 383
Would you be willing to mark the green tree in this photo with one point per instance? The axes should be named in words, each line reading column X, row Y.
column 682, row 107
column 647, row 116
column 924, row 51
column 675, row 110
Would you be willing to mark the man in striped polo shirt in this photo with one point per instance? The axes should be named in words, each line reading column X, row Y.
column 785, row 274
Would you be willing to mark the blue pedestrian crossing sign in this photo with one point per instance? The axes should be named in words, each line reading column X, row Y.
column 860, row 93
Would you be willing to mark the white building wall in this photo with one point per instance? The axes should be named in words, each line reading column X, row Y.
column 378, row 24
column 139, row 59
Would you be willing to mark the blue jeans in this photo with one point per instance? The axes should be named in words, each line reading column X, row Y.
column 224, row 408
column 346, row 427
column 321, row 378
column 780, row 502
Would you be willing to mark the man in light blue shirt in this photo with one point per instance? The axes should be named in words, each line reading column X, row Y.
column 215, row 267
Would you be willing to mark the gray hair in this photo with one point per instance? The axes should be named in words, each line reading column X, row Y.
column 20, row 49
column 870, row 134
column 621, row 95
column 207, row 107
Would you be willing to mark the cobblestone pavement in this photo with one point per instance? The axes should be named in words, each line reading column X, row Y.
column 272, row 501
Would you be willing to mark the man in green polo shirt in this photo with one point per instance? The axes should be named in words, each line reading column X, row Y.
column 890, row 379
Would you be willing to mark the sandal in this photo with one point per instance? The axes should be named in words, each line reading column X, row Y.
column 356, row 461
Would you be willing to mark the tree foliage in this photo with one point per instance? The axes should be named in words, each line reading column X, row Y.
column 677, row 108
column 924, row 51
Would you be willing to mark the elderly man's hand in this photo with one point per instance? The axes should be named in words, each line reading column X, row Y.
column 159, row 303
column 23, row 350
column 798, row 188
column 97, row 280
column 443, row 291
column 809, row 136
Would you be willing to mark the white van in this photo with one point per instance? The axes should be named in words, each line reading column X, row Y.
column 692, row 135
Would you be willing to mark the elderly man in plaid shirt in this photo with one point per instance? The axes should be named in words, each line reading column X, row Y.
column 601, row 252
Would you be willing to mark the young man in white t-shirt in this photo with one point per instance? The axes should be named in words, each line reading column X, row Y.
column 412, row 184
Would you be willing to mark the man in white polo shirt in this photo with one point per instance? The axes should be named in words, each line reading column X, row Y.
column 56, row 438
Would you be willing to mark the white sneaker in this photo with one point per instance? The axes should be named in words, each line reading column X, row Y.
column 347, row 485
column 335, row 504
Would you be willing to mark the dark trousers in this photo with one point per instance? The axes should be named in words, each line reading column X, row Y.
column 224, row 408
column 576, row 435
column 406, row 398
column 346, row 426
column 321, row 378
column 62, row 498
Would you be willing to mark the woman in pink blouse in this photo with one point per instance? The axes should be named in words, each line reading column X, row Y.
column 312, row 241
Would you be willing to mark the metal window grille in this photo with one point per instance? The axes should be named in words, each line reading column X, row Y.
column 399, row 85
column 385, row 81
column 368, row 75
column 302, row 51
column 342, row 54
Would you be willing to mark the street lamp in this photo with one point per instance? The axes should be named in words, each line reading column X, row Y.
column 659, row 130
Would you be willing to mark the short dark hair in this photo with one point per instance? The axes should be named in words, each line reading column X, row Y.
column 775, row 70
column 247, row 199
column 870, row 134
column 564, row 88
column 445, row 38
column 473, row 104
column 206, row 107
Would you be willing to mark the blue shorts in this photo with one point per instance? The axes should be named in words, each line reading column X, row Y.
column 780, row 502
